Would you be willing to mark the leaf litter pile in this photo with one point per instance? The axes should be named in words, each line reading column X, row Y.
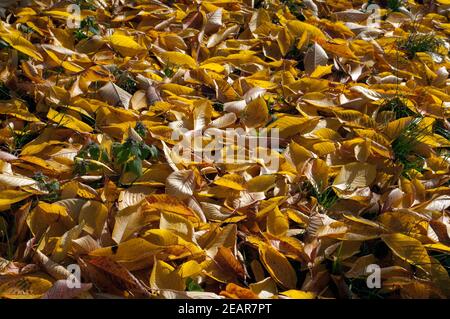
column 89, row 176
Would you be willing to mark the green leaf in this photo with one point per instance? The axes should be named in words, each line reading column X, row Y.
column 191, row 285
column 135, row 150
column 94, row 150
column 145, row 151
column 140, row 129
column 123, row 155
column 135, row 167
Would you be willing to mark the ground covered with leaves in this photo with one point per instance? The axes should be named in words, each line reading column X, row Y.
column 89, row 176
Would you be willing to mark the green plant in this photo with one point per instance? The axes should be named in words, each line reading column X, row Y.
column 168, row 71
column 20, row 138
column 191, row 285
column 25, row 29
column 336, row 266
column 443, row 259
column 295, row 54
column 418, row 42
column 22, row 56
column 91, row 151
column 125, row 80
column 50, row 185
column 295, row 7
column 127, row 156
column 127, row 83
column 358, row 286
column 130, row 154
column 326, row 198
column 441, row 129
column 404, row 145
column 394, row 5
column 218, row 106
column 80, row 35
column 270, row 105
column 140, row 129
column 86, row 4
column 88, row 27
column 398, row 106
column 4, row 45
column 275, row 20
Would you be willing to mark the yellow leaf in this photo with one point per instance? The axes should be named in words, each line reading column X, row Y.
column 438, row 247
column 299, row 154
column 62, row 12
column 177, row 224
column 21, row 44
column 232, row 181
column 68, row 65
column 16, row 180
column 17, row 109
column 68, row 121
column 290, row 125
column 323, row 148
column 93, row 214
column 339, row 49
column 265, row 288
column 225, row 237
column 164, row 276
column 178, row 58
column 284, row 41
column 255, row 113
column 65, row 242
column 27, row 287
column 213, row 67
column 262, row 84
column 234, row 291
column 278, row 266
column 237, row 59
column 261, row 183
column 168, row 203
column 297, row 28
column 440, row 277
column 177, row 89
column 322, row 70
column 317, row 172
column 277, row 222
column 126, row 45
column 303, row 41
column 228, row 262
column 189, row 269
column 134, row 254
column 45, row 214
column 395, row 128
column 298, row 294
column 257, row 270
column 408, row 249
column 173, row 244
column 9, row 196
column 355, row 175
